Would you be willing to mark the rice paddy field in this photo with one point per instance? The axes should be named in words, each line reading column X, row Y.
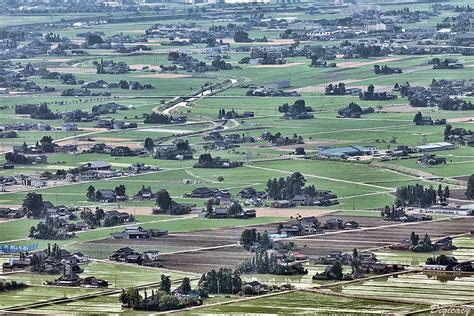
column 118, row 275
column 416, row 288
column 464, row 252
column 297, row 303
column 196, row 245
column 36, row 294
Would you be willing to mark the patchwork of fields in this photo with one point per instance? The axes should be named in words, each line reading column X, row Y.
column 194, row 244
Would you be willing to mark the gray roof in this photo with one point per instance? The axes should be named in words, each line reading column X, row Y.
column 99, row 164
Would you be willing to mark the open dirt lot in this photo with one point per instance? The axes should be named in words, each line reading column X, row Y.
column 73, row 70
column 469, row 119
column 321, row 88
column 280, row 41
column 354, row 64
column 277, row 66
column 400, row 109
column 163, row 76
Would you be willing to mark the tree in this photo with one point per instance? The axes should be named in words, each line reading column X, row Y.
column 265, row 241
column 235, row 209
column 209, row 207
column 186, row 286
column 47, row 144
column 33, row 204
column 426, row 240
column 165, row 284
column 336, row 270
column 241, row 37
column 248, row 238
column 163, row 200
column 99, row 214
column 220, row 179
column 130, row 297
column 149, row 144
column 355, row 261
column 90, row 193
column 414, row 239
column 470, row 187
column 120, row 190
column 446, row 193
column 418, row 117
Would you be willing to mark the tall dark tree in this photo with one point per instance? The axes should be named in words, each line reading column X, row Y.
column 186, row 286
column 418, row 117
column 165, row 284
column 120, row 190
column 149, row 144
column 33, row 204
column 163, row 200
column 470, row 187
column 90, row 193
column 414, row 238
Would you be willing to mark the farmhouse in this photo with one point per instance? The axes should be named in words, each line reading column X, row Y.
column 345, row 152
column 249, row 193
column 126, row 254
column 123, row 217
column 461, row 210
column 137, row 232
column 106, row 195
column 151, row 255
column 205, row 192
column 145, row 193
column 98, row 165
column 463, row 39
column 280, row 84
column 425, row 120
column 435, row 147
column 282, row 204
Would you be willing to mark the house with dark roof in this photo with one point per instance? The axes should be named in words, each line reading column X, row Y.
column 205, row 192
column 98, row 165
column 106, row 195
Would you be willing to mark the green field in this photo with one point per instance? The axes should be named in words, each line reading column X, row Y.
column 297, row 303
column 361, row 186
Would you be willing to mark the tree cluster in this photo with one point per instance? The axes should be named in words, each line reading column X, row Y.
column 287, row 188
column 34, row 205
column 337, row 89
column 222, row 281
column 41, row 111
column 423, row 245
column 242, row 37
column 250, row 238
column 298, row 107
column 393, row 213
column 386, row 70
column 160, row 300
column 417, row 195
column 263, row 263
column 156, row 118
column 11, row 285
column 93, row 218
column 52, row 228
column 371, row 95
column 207, row 161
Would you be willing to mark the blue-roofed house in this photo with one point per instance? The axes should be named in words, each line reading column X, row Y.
column 346, row 151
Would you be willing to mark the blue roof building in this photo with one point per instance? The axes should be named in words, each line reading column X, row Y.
column 346, row 151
